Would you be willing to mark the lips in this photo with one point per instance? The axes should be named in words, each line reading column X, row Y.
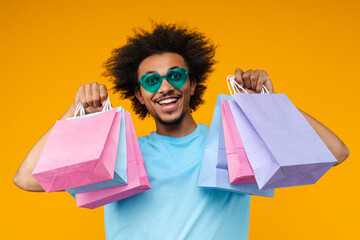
column 167, row 101
column 168, row 104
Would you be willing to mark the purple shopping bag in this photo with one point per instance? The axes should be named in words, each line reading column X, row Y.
column 240, row 170
column 214, row 170
column 138, row 180
column 79, row 152
column 282, row 148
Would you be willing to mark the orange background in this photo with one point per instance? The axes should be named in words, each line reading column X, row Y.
column 310, row 49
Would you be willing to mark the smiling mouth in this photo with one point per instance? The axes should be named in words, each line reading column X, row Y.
column 168, row 101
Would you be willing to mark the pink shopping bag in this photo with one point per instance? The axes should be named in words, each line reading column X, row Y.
column 240, row 170
column 138, row 180
column 79, row 151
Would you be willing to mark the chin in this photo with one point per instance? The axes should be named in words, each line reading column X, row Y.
column 170, row 122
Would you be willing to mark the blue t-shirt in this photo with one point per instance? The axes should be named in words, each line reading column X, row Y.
column 175, row 207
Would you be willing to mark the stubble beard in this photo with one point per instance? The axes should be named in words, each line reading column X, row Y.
column 172, row 122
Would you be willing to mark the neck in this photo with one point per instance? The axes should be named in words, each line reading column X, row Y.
column 186, row 126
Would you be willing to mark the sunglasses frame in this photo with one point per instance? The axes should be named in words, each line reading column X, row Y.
column 175, row 83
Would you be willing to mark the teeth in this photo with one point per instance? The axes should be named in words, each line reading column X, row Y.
column 169, row 100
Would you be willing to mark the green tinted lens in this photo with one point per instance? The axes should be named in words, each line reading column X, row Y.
column 152, row 82
column 177, row 77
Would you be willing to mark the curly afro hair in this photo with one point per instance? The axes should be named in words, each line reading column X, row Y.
column 197, row 51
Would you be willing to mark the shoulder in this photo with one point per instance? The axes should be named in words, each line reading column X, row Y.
column 203, row 128
column 144, row 139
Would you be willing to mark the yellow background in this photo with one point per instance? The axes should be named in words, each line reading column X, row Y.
column 309, row 48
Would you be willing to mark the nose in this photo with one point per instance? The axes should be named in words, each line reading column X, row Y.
column 165, row 87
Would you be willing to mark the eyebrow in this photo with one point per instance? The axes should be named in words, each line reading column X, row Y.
column 174, row 67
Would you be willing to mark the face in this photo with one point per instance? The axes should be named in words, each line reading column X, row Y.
column 169, row 104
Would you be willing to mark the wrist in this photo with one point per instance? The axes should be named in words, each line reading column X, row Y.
column 69, row 112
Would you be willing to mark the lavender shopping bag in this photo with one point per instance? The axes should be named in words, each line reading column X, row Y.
column 74, row 156
column 138, row 180
column 239, row 168
column 214, row 172
column 120, row 171
column 282, row 147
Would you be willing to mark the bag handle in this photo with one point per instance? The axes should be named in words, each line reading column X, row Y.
column 236, row 88
column 81, row 110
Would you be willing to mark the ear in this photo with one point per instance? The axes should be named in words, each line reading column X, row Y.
column 139, row 96
column 192, row 87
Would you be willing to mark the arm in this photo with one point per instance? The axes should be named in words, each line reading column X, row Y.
column 335, row 145
column 23, row 178
column 253, row 81
column 92, row 96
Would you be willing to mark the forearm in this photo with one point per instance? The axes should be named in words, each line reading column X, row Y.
column 335, row 145
column 23, row 178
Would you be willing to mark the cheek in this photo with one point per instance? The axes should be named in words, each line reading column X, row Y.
column 146, row 95
column 187, row 93
column 147, row 99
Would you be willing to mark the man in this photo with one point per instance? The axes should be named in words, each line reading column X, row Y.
column 163, row 73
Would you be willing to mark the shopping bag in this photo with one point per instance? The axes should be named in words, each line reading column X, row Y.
column 138, row 180
column 282, row 148
column 74, row 156
column 120, row 172
column 214, row 172
column 239, row 167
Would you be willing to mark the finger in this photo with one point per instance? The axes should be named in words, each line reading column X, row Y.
column 254, row 79
column 77, row 99
column 268, row 84
column 103, row 93
column 238, row 77
column 81, row 97
column 95, row 94
column 88, row 94
column 261, row 80
column 246, row 78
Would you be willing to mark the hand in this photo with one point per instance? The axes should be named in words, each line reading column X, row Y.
column 252, row 81
column 93, row 96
